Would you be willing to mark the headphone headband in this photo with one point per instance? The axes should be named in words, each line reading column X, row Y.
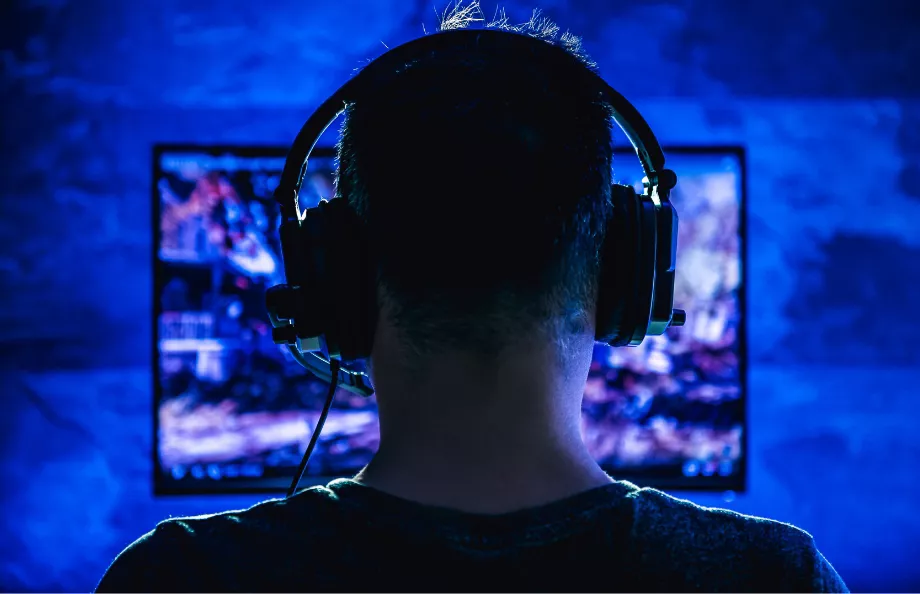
column 658, row 180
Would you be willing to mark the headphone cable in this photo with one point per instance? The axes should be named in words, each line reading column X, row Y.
column 334, row 365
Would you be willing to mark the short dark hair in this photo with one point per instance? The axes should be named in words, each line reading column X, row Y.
column 484, row 180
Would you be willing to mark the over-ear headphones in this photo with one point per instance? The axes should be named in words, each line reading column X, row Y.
column 326, row 313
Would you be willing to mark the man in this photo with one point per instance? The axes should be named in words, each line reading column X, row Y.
column 484, row 183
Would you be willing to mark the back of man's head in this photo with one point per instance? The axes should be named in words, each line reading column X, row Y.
column 483, row 177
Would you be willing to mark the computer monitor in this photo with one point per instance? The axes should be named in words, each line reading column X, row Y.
column 233, row 412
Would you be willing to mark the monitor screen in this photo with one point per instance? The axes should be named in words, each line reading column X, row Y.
column 234, row 412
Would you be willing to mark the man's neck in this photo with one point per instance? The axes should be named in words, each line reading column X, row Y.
column 483, row 437
column 480, row 483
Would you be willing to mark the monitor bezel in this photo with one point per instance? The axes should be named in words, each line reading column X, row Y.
column 162, row 486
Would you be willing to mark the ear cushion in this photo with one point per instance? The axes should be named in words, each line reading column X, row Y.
column 349, row 280
column 647, row 259
column 627, row 269
column 618, row 267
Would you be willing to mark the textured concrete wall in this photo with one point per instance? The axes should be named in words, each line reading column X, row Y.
column 824, row 95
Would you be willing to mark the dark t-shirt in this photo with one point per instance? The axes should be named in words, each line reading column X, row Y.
column 347, row 536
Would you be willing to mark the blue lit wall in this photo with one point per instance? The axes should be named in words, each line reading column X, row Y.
column 820, row 92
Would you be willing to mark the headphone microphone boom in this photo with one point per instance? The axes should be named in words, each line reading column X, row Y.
column 326, row 313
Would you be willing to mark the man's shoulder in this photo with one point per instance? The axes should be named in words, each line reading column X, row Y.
column 270, row 518
column 662, row 516
column 181, row 550
column 696, row 543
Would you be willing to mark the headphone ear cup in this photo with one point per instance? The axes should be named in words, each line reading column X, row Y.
column 627, row 269
column 349, row 281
